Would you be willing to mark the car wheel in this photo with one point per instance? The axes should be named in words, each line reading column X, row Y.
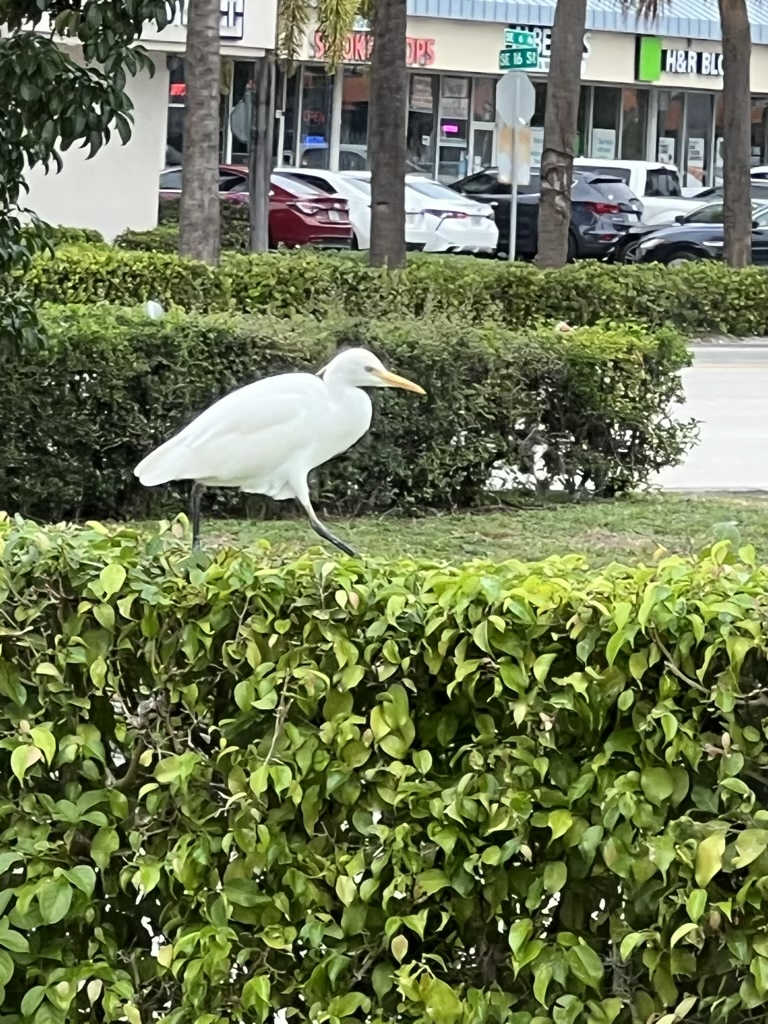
column 680, row 258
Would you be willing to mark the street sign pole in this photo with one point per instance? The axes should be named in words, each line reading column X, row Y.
column 515, row 104
column 513, row 202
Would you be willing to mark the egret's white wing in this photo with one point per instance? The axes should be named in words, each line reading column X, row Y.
column 252, row 435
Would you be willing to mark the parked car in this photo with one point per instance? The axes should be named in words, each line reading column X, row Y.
column 299, row 213
column 707, row 213
column 658, row 185
column 699, row 236
column 602, row 209
column 439, row 220
column 333, row 183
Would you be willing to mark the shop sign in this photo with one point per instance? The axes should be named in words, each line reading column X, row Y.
column 543, row 41
column 652, row 61
column 232, row 14
column 692, row 62
column 358, row 47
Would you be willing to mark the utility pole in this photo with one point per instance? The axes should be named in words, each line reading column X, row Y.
column 260, row 152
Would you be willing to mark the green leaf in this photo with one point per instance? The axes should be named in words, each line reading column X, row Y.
column 567, row 1009
column 542, row 976
column 442, row 1003
column 759, row 969
column 585, row 964
column 559, row 821
column 22, row 759
column 709, row 858
column 681, row 932
column 629, row 943
column 55, row 899
column 432, row 881
column 105, row 843
column 14, row 941
column 658, row 784
column 555, row 876
column 382, row 979
column 749, row 845
column 6, row 968
column 32, row 1000
column 399, row 947
column 43, row 739
column 696, row 903
column 112, row 577
column 423, row 761
column 346, row 890
column 519, row 934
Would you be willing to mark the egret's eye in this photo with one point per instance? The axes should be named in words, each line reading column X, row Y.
column 370, row 369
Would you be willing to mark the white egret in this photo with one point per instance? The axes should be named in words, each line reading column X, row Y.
column 266, row 437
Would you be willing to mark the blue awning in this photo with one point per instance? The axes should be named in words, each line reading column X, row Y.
column 684, row 19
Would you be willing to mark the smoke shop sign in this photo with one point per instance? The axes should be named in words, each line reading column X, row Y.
column 692, row 62
column 420, row 53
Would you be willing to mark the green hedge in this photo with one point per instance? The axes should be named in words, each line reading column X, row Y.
column 353, row 792
column 696, row 299
column 584, row 410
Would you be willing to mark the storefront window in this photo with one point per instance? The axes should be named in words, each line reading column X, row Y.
column 422, row 106
column 634, row 123
column 174, row 137
column 484, row 100
column 454, row 128
column 606, row 104
column 698, row 138
column 316, row 102
column 759, row 149
column 669, row 128
column 353, row 150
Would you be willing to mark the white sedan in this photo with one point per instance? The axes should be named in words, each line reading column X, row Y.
column 437, row 219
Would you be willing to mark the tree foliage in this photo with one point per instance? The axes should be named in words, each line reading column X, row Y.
column 63, row 75
column 358, row 792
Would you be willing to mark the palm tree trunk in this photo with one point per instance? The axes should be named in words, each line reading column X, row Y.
column 386, row 141
column 560, row 126
column 199, row 219
column 737, row 121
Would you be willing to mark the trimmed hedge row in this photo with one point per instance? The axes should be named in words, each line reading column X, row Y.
column 698, row 298
column 355, row 792
column 588, row 409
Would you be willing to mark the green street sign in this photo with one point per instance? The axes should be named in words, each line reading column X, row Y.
column 519, row 60
column 514, row 37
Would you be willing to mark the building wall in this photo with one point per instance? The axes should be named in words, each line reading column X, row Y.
column 117, row 189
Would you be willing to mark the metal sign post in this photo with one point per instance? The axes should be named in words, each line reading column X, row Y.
column 515, row 104
column 513, row 200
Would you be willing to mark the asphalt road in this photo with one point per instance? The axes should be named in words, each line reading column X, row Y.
column 727, row 390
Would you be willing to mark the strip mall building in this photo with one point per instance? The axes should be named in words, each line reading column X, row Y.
column 651, row 90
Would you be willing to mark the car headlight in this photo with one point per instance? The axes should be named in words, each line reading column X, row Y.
column 650, row 243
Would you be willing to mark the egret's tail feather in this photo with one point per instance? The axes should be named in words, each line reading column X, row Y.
column 162, row 465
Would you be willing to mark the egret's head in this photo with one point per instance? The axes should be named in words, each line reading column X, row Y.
column 362, row 369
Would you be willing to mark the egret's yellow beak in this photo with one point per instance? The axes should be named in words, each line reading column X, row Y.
column 393, row 381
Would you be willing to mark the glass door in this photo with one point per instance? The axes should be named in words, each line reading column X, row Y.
column 453, row 128
column 481, row 153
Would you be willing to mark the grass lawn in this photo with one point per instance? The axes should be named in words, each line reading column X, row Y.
column 628, row 530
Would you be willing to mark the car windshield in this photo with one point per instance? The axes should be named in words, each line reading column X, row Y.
column 623, row 173
column 662, row 181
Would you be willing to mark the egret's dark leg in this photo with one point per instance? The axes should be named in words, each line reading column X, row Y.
column 325, row 533
column 195, row 500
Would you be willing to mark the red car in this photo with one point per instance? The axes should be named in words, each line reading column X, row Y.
column 299, row 214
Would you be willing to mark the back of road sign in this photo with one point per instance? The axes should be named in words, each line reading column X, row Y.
column 515, row 98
